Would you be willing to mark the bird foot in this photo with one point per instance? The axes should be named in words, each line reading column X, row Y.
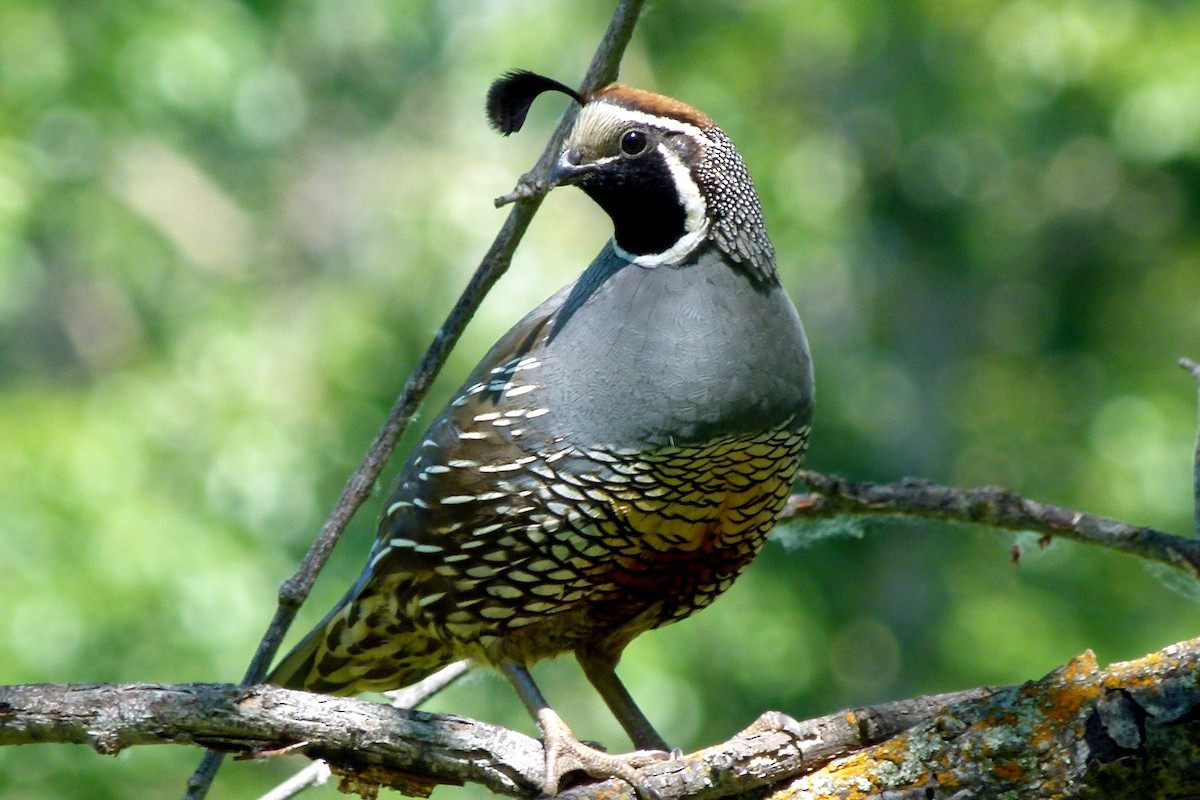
column 565, row 753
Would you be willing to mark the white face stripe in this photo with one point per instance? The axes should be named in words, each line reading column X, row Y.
column 603, row 114
column 694, row 207
column 673, row 254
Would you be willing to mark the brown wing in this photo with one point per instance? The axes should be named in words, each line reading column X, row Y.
column 463, row 487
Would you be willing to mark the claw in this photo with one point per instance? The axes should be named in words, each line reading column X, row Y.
column 565, row 753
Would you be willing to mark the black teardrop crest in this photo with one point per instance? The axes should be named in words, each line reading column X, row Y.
column 511, row 95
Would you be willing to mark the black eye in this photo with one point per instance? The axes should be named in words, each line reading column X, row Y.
column 633, row 142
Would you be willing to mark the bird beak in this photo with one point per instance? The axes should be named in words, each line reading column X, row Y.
column 568, row 171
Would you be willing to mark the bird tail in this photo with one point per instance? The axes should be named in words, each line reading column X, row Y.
column 359, row 648
column 298, row 669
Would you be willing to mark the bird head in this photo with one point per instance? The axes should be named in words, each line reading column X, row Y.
column 669, row 178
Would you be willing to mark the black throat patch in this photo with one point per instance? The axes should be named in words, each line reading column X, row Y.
column 643, row 201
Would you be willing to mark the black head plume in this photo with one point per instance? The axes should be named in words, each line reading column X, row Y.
column 511, row 95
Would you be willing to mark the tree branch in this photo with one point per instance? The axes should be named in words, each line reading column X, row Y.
column 1130, row 731
column 830, row 496
column 1130, row 721
column 350, row 735
column 413, row 696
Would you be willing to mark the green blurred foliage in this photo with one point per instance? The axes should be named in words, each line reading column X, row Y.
column 227, row 231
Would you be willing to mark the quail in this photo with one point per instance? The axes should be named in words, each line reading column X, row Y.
column 616, row 459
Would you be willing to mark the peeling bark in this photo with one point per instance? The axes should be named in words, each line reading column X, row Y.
column 1132, row 730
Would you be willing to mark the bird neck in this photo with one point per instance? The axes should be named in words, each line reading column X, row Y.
column 735, row 215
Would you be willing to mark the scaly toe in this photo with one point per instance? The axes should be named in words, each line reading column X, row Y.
column 565, row 753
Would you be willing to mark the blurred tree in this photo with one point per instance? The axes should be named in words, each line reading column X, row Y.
column 227, row 230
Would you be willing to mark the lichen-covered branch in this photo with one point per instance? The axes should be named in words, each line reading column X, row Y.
column 1130, row 731
column 1132, row 726
column 831, row 496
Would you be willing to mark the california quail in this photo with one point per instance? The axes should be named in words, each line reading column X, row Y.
column 616, row 459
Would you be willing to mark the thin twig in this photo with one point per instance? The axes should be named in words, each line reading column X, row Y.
column 1194, row 368
column 603, row 70
column 831, row 496
column 315, row 774
column 413, row 696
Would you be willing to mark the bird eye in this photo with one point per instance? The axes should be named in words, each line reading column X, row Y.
column 633, row 142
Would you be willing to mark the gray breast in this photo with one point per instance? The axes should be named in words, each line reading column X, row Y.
column 643, row 356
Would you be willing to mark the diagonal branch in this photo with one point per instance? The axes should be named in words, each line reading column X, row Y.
column 831, row 496
column 294, row 591
column 603, row 70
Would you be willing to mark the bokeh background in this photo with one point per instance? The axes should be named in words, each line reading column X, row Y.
column 228, row 229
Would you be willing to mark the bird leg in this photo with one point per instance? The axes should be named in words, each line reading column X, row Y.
column 602, row 672
column 565, row 753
